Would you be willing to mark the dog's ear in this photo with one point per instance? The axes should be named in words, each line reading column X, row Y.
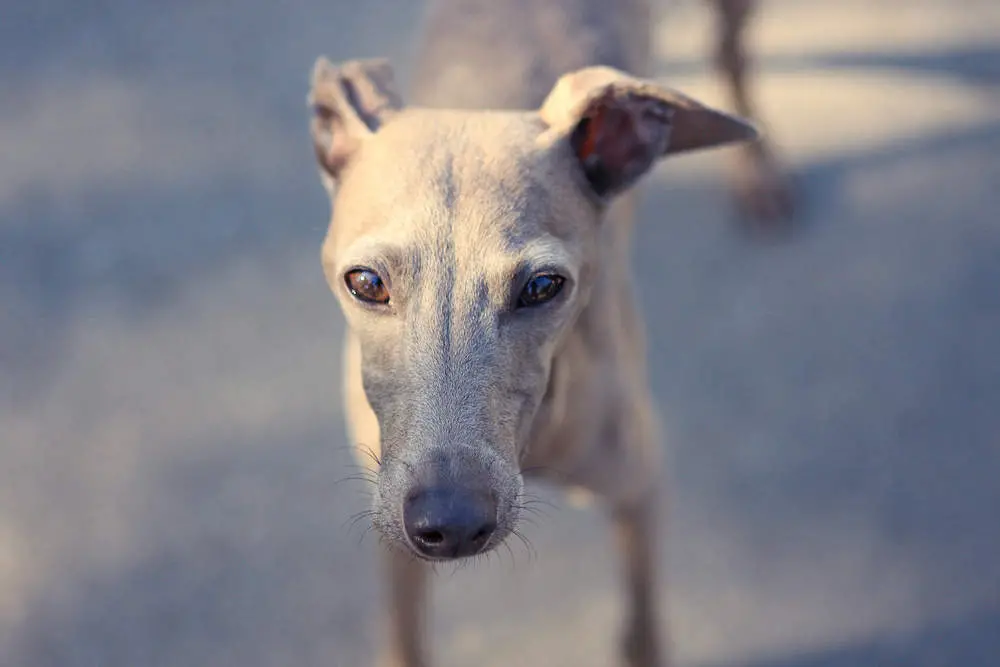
column 349, row 102
column 617, row 125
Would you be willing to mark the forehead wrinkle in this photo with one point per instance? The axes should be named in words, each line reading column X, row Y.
column 479, row 199
column 547, row 251
column 415, row 205
column 503, row 205
column 431, row 311
column 501, row 223
column 376, row 254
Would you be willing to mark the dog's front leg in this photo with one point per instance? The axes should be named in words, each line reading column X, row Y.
column 406, row 580
column 636, row 531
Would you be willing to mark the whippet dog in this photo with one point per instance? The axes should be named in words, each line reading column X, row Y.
column 479, row 250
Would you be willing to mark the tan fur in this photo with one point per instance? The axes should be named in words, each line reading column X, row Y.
column 451, row 201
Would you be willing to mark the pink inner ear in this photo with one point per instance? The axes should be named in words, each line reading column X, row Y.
column 611, row 138
column 589, row 145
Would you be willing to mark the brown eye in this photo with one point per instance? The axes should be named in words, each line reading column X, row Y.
column 540, row 289
column 366, row 285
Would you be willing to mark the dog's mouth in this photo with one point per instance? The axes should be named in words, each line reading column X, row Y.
column 489, row 543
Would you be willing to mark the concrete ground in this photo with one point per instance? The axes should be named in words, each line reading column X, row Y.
column 170, row 421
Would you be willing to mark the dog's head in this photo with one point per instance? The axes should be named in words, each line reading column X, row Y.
column 462, row 247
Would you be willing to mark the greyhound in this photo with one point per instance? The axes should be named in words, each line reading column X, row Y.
column 479, row 249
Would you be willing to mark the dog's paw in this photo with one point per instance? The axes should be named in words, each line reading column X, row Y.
column 396, row 659
column 398, row 662
column 763, row 192
column 641, row 648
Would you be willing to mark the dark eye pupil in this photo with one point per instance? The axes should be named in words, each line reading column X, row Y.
column 540, row 289
column 367, row 286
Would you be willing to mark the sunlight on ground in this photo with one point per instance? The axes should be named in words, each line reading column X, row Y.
column 231, row 367
column 809, row 28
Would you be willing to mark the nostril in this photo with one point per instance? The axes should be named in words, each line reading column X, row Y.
column 449, row 522
column 483, row 534
column 430, row 538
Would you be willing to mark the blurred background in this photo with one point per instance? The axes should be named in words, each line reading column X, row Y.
column 171, row 429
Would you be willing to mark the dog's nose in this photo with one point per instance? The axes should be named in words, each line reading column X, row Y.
column 449, row 523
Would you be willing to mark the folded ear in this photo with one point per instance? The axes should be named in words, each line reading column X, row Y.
column 349, row 103
column 617, row 125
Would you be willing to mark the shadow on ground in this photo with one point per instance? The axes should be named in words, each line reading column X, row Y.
column 243, row 555
column 172, row 438
column 969, row 641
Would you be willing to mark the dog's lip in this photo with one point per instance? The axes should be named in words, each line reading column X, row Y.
column 434, row 559
column 490, row 545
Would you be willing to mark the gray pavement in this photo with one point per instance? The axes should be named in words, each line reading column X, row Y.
column 171, row 431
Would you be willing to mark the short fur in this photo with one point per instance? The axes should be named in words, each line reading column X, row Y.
column 515, row 159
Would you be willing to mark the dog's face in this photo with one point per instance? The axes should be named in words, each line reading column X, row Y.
column 462, row 248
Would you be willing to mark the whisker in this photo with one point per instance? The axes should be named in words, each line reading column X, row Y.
column 364, row 534
column 533, row 511
column 532, row 553
column 357, row 478
column 367, row 451
column 513, row 559
column 535, row 500
column 359, row 516
column 370, row 453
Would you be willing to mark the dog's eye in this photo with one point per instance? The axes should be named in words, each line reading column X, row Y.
column 366, row 285
column 540, row 288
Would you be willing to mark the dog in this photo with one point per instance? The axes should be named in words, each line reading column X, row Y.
column 479, row 249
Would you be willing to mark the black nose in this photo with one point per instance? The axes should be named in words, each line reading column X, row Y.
column 449, row 523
